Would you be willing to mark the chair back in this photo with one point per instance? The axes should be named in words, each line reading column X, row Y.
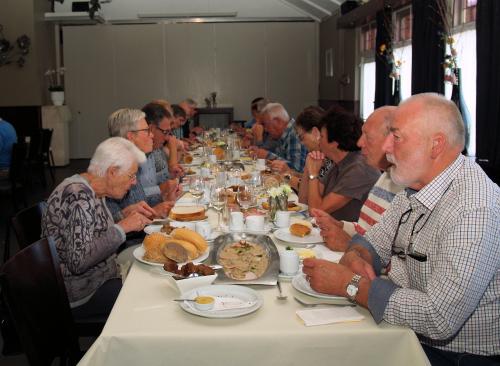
column 46, row 140
column 34, row 293
column 17, row 170
column 35, row 146
column 27, row 224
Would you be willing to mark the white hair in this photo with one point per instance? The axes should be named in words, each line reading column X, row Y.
column 115, row 152
column 124, row 120
column 276, row 110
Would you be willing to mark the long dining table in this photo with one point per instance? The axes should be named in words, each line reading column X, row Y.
column 146, row 327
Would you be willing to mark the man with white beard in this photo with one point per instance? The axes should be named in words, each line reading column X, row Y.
column 440, row 236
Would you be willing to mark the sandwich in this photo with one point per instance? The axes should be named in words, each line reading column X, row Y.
column 187, row 213
column 300, row 228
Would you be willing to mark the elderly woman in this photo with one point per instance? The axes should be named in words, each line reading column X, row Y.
column 82, row 227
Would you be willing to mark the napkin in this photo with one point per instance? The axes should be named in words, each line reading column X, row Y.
column 324, row 253
column 329, row 315
column 227, row 303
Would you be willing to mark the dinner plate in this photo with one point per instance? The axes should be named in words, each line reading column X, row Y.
column 300, row 283
column 244, row 294
column 313, row 238
column 139, row 254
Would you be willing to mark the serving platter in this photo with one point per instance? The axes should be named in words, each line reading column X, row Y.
column 139, row 255
column 270, row 275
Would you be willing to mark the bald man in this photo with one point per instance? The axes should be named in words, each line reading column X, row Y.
column 441, row 236
column 337, row 234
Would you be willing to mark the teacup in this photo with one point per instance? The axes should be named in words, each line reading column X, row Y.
column 204, row 229
column 236, row 222
column 289, row 262
column 282, row 219
column 186, row 224
column 255, row 223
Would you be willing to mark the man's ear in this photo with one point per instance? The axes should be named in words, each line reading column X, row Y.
column 112, row 171
column 439, row 144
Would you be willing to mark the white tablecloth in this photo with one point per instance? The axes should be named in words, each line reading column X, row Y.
column 147, row 328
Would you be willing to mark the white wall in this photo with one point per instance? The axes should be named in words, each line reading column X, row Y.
column 114, row 66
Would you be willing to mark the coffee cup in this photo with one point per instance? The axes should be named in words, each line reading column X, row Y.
column 212, row 158
column 261, row 164
column 186, row 224
column 204, row 229
column 255, row 223
column 289, row 262
column 282, row 219
column 236, row 222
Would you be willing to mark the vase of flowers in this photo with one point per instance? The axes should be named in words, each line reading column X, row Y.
column 55, row 79
column 278, row 200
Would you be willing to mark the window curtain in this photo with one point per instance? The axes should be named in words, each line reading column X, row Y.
column 383, row 83
column 428, row 47
column 488, row 86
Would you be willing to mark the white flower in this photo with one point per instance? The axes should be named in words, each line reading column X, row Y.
column 285, row 189
column 274, row 192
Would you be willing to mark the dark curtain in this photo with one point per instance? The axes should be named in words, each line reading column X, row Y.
column 488, row 86
column 428, row 48
column 383, row 83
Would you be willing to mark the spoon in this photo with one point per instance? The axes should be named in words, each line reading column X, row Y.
column 280, row 296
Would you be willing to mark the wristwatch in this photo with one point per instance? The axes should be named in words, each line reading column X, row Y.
column 287, row 177
column 353, row 287
column 312, row 176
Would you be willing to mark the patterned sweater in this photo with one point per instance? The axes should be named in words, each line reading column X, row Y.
column 85, row 235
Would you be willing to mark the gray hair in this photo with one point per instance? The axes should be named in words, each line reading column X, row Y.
column 190, row 102
column 124, row 120
column 441, row 115
column 115, row 152
column 276, row 110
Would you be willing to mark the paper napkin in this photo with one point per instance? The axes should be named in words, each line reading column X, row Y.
column 227, row 303
column 329, row 315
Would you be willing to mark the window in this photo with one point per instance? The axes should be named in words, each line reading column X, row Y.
column 403, row 25
column 464, row 12
column 367, row 88
column 368, row 37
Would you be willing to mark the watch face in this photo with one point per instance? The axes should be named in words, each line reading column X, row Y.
column 352, row 290
column 311, row 176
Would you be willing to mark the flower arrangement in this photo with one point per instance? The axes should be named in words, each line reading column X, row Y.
column 450, row 61
column 387, row 53
column 55, row 78
column 278, row 199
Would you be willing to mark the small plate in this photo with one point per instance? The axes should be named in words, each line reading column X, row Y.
column 313, row 238
column 152, row 229
column 300, row 283
column 139, row 254
column 242, row 293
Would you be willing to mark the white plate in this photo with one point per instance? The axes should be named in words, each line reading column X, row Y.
column 313, row 238
column 239, row 292
column 300, row 283
column 302, row 207
column 152, row 229
column 139, row 254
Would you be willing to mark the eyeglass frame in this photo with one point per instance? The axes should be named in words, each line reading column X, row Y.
column 148, row 130
column 402, row 253
column 165, row 132
column 131, row 176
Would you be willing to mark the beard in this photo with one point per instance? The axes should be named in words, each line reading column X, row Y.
column 404, row 173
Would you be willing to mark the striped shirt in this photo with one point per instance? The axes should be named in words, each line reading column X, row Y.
column 452, row 298
column 379, row 199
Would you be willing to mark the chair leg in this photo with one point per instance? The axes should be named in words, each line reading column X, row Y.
column 50, row 162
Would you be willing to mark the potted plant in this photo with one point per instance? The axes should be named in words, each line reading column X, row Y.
column 55, row 79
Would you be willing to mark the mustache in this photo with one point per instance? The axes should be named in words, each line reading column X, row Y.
column 390, row 158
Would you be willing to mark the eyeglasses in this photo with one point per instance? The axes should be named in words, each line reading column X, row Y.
column 147, row 130
column 132, row 176
column 409, row 252
column 165, row 132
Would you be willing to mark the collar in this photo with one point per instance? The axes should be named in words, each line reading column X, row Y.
column 288, row 129
column 430, row 195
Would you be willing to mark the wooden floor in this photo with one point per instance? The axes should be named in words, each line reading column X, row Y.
column 35, row 193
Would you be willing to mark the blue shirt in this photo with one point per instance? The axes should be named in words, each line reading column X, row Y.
column 8, row 137
column 290, row 149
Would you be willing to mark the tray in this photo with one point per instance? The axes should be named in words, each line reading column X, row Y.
column 270, row 276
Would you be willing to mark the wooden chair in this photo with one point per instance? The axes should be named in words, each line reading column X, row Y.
column 15, row 183
column 34, row 293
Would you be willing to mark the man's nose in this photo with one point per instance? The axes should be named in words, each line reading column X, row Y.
column 388, row 144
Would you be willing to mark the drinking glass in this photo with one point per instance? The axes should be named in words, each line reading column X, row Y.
column 196, row 188
column 246, row 197
column 218, row 201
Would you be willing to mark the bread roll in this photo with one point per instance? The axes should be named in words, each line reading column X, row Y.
column 153, row 247
column 180, row 250
column 191, row 236
column 300, row 228
column 187, row 213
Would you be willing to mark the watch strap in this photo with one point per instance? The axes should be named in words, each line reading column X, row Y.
column 354, row 285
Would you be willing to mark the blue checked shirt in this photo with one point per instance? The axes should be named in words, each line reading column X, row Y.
column 290, row 149
column 451, row 300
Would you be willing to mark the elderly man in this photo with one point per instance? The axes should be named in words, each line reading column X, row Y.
column 131, row 124
column 337, row 234
column 278, row 124
column 164, row 151
column 189, row 106
column 440, row 235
